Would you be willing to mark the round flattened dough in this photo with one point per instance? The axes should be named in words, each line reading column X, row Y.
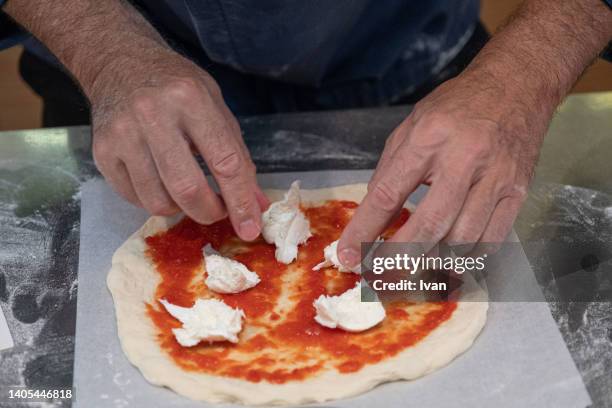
column 132, row 281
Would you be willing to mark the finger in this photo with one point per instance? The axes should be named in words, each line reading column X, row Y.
column 183, row 177
column 178, row 170
column 437, row 212
column 502, row 219
column 148, row 184
column 262, row 199
column 474, row 216
column 232, row 169
column 112, row 168
column 383, row 200
column 123, row 184
column 117, row 176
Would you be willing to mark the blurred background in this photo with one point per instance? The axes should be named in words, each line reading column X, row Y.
column 20, row 108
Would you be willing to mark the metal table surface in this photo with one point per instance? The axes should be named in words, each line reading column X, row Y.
column 41, row 170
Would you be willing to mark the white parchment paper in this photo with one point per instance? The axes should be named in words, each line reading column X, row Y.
column 518, row 360
column 6, row 340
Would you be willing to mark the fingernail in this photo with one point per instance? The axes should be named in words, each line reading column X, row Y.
column 248, row 230
column 349, row 257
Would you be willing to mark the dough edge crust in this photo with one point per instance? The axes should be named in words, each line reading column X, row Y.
column 132, row 281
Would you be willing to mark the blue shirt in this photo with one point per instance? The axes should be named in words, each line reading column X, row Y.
column 311, row 53
column 340, row 53
column 309, row 42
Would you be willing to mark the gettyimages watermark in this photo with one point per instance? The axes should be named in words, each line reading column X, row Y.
column 508, row 272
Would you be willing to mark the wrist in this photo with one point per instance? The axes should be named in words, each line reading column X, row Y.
column 90, row 38
column 121, row 69
column 520, row 103
column 522, row 79
column 124, row 43
column 536, row 58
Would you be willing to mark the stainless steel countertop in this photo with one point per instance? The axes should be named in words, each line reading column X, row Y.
column 41, row 170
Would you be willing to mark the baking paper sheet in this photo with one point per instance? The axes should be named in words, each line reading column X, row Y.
column 6, row 340
column 518, row 360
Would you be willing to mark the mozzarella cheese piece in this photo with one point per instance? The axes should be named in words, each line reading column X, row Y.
column 226, row 275
column 208, row 319
column 330, row 253
column 348, row 312
column 285, row 226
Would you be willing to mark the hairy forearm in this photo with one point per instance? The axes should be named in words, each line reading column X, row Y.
column 543, row 49
column 88, row 36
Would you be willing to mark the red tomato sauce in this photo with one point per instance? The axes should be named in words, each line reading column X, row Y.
column 280, row 341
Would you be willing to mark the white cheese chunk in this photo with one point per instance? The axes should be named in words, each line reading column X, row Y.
column 285, row 226
column 208, row 319
column 226, row 275
column 347, row 311
column 330, row 253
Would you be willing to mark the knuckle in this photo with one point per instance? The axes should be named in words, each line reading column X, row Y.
column 371, row 184
column 432, row 123
column 161, row 206
column 399, row 162
column 519, row 192
column 212, row 87
column 385, row 197
column 511, row 189
column 182, row 89
column 186, row 191
column 227, row 165
column 464, row 235
column 145, row 106
column 396, row 137
column 118, row 127
column 476, row 150
column 459, row 171
column 439, row 120
column 102, row 152
column 169, row 157
column 241, row 205
column 433, row 224
column 408, row 164
column 416, row 158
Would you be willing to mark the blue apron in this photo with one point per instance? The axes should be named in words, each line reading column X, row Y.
column 314, row 54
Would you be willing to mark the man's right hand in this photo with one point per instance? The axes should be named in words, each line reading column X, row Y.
column 152, row 109
column 147, row 123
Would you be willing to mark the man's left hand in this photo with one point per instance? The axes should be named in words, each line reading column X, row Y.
column 476, row 149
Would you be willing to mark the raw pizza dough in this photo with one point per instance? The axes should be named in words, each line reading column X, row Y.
column 133, row 279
